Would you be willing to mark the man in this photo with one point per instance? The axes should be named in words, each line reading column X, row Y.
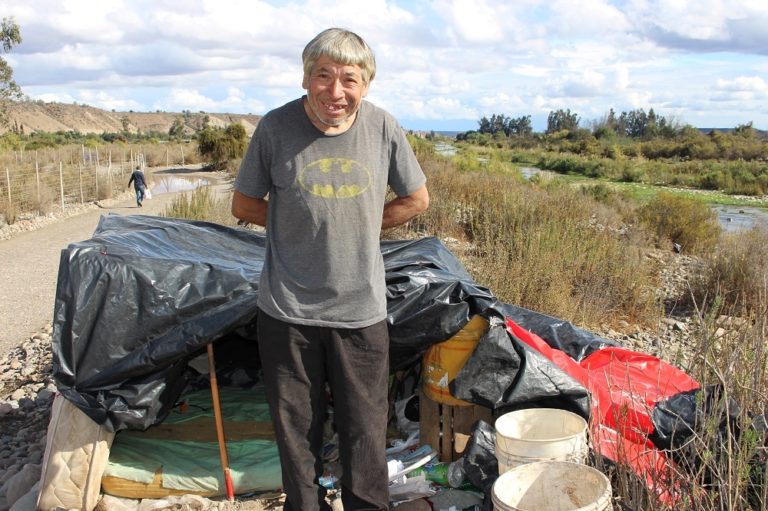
column 139, row 184
column 326, row 161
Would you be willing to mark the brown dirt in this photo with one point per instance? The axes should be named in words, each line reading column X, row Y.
column 37, row 116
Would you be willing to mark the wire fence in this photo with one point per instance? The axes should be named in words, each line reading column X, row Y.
column 53, row 179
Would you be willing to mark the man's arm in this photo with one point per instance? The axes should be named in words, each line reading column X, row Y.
column 249, row 209
column 398, row 211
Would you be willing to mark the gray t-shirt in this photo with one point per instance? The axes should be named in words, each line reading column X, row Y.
column 323, row 265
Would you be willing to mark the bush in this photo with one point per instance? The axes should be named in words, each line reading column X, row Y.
column 8, row 212
column 738, row 272
column 197, row 205
column 682, row 220
column 222, row 145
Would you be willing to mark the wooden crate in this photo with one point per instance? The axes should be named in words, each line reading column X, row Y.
column 447, row 428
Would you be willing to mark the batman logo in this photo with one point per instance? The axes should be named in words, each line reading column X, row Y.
column 335, row 178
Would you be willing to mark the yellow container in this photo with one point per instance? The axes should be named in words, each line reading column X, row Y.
column 443, row 361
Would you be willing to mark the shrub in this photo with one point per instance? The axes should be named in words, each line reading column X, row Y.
column 8, row 212
column 738, row 272
column 197, row 205
column 631, row 175
column 222, row 145
column 682, row 220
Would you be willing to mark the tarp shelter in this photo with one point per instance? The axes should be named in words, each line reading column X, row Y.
column 145, row 295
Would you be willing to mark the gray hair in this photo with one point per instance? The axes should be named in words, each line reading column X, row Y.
column 340, row 46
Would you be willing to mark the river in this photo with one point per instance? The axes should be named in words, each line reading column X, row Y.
column 730, row 218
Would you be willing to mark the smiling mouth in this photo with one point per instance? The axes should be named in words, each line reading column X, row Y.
column 329, row 114
column 335, row 108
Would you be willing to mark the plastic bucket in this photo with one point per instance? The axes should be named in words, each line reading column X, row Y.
column 552, row 486
column 540, row 434
column 443, row 361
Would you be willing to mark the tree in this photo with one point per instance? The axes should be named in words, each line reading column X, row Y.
column 502, row 124
column 745, row 130
column 176, row 131
column 220, row 145
column 9, row 90
column 559, row 120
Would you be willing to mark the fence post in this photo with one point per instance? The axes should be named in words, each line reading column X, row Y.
column 182, row 155
column 167, row 161
column 61, row 184
column 109, row 173
column 8, row 182
column 37, row 180
column 96, row 178
column 80, row 176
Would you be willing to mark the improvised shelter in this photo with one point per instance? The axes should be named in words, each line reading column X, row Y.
column 141, row 300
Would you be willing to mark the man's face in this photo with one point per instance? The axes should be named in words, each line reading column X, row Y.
column 334, row 93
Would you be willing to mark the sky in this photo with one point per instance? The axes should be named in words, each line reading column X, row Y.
column 441, row 64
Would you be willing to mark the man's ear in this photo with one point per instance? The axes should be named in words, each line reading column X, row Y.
column 305, row 82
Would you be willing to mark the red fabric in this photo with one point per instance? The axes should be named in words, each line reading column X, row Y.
column 624, row 387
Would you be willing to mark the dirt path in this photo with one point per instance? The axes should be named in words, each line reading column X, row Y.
column 29, row 261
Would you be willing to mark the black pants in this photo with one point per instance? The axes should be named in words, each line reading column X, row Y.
column 297, row 361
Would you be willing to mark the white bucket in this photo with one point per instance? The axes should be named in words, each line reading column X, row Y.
column 540, row 434
column 552, row 486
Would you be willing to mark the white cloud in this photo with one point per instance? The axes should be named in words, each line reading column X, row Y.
column 586, row 18
column 107, row 102
column 755, row 84
column 189, row 99
column 476, row 21
column 437, row 59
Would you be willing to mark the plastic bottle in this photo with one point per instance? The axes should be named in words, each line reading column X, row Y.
column 435, row 472
column 456, row 474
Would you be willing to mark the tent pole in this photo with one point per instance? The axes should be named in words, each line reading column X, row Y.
column 219, row 424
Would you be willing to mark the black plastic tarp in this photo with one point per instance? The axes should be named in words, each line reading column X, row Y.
column 146, row 294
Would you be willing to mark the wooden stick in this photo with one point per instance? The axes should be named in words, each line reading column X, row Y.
column 219, row 425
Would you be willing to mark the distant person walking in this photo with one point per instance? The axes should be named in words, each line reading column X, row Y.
column 139, row 184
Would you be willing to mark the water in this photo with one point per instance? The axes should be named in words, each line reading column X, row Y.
column 445, row 149
column 529, row 172
column 171, row 184
column 730, row 218
column 740, row 218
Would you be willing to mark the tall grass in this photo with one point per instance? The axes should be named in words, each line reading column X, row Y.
column 549, row 248
column 201, row 204
column 723, row 461
column 737, row 273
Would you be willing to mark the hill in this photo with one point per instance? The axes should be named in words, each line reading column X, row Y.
column 37, row 116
